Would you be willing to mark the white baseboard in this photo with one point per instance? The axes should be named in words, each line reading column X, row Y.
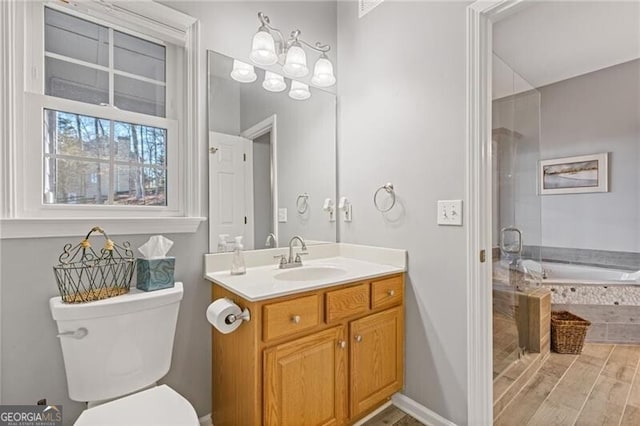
column 403, row 402
column 372, row 414
column 419, row 412
column 206, row 420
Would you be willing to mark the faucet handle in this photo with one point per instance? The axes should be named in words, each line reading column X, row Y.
column 302, row 253
column 283, row 259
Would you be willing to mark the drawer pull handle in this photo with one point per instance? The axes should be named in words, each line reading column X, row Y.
column 295, row 319
column 391, row 293
column 342, row 344
column 358, row 338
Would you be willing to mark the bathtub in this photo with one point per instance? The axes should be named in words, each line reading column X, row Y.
column 609, row 298
column 567, row 273
column 585, row 285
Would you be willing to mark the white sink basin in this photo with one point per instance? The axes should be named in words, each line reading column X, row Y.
column 310, row 273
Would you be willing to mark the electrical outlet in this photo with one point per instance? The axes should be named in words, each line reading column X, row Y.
column 450, row 212
column 282, row 215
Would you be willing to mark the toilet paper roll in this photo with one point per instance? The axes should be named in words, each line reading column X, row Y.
column 219, row 311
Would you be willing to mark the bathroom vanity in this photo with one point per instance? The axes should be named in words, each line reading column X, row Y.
column 327, row 353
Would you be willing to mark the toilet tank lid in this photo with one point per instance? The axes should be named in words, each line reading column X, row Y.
column 134, row 301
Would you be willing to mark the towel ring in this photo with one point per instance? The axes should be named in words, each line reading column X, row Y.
column 388, row 187
column 302, row 207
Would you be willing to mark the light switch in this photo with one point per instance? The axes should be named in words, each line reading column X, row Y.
column 450, row 212
column 282, row 215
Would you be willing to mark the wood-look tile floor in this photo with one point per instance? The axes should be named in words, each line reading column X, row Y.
column 393, row 416
column 601, row 386
column 505, row 342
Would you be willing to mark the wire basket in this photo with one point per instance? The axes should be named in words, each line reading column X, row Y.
column 84, row 275
column 568, row 332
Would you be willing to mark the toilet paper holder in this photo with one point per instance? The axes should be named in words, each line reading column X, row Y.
column 244, row 316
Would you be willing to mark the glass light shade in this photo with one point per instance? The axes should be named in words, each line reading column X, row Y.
column 323, row 73
column 299, row 91
column 295, row 64
column 273, row 82
column 242, row 72
column 263, row 49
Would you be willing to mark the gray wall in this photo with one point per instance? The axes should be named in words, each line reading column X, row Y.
column 401, row 119
column 227, row 27
column 32, row 366
column 306, row 132
column 224, row 105
column 518, row 199
column 596, row 112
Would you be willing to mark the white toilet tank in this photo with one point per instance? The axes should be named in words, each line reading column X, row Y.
column 127, row 346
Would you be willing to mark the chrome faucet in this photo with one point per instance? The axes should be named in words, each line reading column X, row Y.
column 303, row 248
column 271, row 238
column 292, row 262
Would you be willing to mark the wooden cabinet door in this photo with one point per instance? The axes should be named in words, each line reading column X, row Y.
column 376, row 358
column 305, row 380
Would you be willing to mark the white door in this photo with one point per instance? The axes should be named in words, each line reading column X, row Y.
column 230, row 189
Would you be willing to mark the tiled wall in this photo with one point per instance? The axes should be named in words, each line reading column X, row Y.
column 602, row 258
column 611, row 324
column 594, row 294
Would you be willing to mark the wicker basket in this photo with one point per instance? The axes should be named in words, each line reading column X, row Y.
column 568, row 332
column 85, row 274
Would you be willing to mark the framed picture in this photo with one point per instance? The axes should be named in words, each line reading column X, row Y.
column 574, row 175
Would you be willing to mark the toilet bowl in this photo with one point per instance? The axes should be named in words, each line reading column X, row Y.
column 115, row 350
column 159, row 405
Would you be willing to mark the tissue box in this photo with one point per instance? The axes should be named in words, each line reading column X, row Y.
column 155, row 274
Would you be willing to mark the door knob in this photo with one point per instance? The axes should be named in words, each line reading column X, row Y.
column 358, row 338
column 295, row 319
column 391, row 292
column 342, row 344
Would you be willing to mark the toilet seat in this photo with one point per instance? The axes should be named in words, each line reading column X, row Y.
column 160, row 405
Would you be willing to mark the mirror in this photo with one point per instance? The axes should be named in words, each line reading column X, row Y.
column 272, row 161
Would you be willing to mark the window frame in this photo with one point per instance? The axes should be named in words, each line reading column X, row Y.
column 23, row 212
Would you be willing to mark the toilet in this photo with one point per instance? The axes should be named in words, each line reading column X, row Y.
column 115, row 350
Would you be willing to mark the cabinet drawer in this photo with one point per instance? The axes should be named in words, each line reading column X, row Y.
column 291, row 316
column 346, row 302
column 386, row 292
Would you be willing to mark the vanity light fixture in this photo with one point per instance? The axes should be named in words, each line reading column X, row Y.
column 273, row 82
column 243, row 72
column 323, row 72
column 299, row 91
column 265, row 50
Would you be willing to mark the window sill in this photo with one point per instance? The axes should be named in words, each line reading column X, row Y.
column 74, row 227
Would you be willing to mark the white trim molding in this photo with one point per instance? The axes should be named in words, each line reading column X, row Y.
column 372, row 414
column 206, row 420
column 419, row 411
column 269, row 124
column 480, row 17
column 73, row 227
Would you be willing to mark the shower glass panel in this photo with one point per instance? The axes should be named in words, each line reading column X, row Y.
column 516, row 211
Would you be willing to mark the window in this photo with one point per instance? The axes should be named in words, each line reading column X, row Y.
column 106, row 120
column 88, row 160
column 92, row 160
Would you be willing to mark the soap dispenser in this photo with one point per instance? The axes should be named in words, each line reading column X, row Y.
column 222, row 243
column 237, row 263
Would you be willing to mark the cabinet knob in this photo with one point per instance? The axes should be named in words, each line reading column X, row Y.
column 295, row 319
column 342, row 344
column 358, row 338
column 391, row 292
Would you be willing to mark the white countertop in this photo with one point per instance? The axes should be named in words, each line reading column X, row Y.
column 260, row 282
